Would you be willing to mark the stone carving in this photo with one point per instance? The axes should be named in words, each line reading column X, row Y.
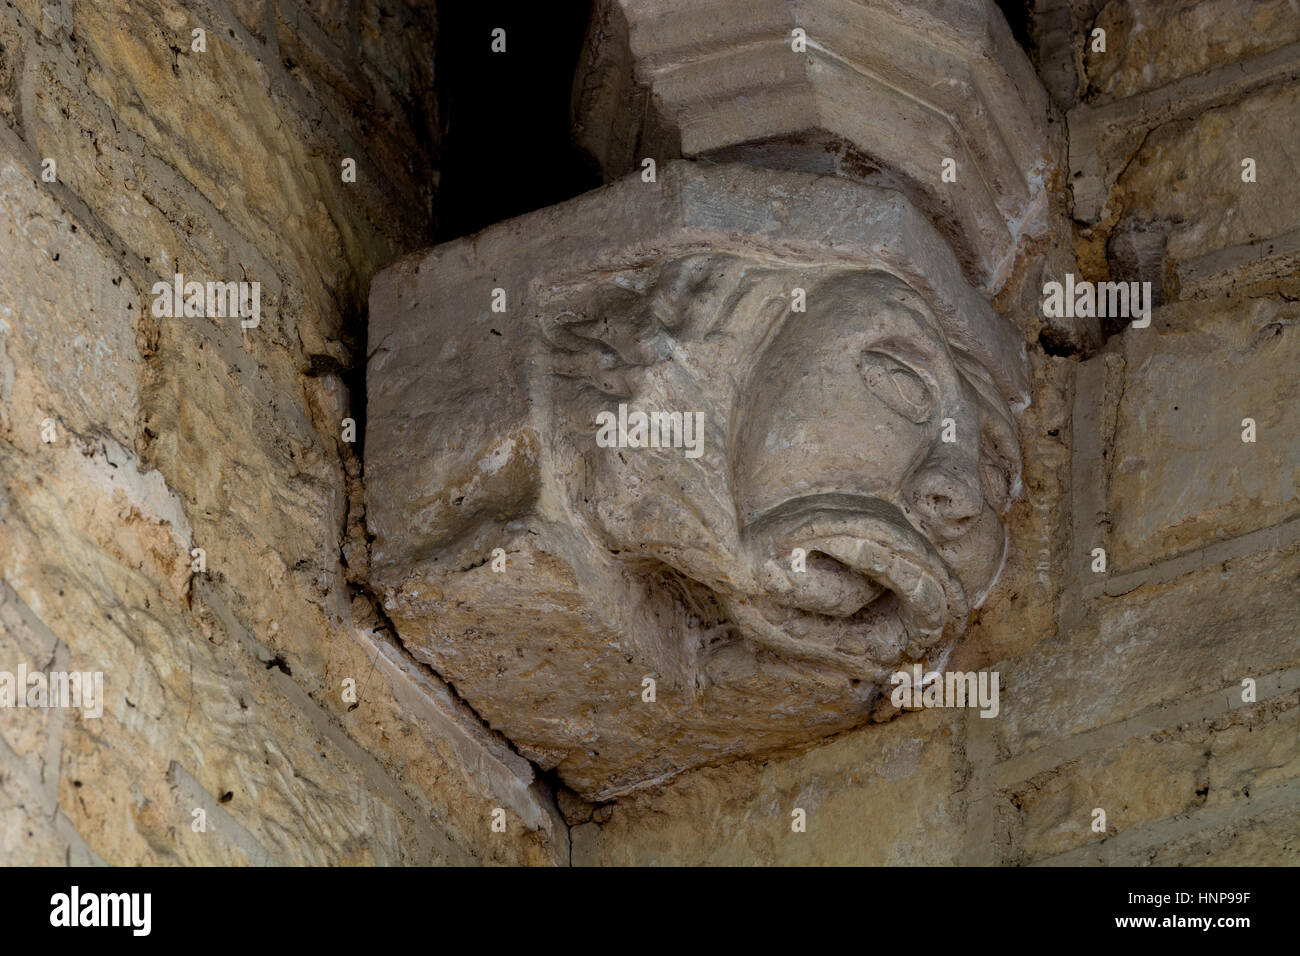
column 708, row 436
column 822, row 433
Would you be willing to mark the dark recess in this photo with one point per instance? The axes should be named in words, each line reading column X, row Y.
column 1056, row 343
column 505, row 146
column 1019, row 14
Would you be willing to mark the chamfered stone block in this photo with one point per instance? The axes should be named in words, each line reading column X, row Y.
column 882, row 92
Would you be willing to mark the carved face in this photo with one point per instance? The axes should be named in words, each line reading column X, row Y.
column 844, row 511
column 624, row 608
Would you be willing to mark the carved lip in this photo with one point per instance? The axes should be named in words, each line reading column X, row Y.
column 870, row 551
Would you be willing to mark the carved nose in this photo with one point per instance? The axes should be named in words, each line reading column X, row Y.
column 944, row 492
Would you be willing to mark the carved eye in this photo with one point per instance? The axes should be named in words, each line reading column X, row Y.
column 898, row 386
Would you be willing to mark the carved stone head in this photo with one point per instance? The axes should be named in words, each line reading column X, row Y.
column 736, row 481
column 822, row 514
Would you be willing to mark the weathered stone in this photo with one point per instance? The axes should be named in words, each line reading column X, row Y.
column 1181, row 476
column 711, row 79
column 251, row 152
column 1140, row 781
column 1023, row 605
column 887, row 795
column 224, row 687
column 11, row 64
column 1254, row 749
column 1157, row 644
column 1087, row 714
column 71, row 374
column 1189, row 174
column 1153, row 42
column 1210, row 763
column 252, row 14
column 168, row 224
column 1271, row 839
column 270, row 691
column 675, row 562
column 1158, row 178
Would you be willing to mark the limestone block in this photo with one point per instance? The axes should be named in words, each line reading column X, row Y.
column 1269, row 839
column 96, row 572
column 188, row 691
column 1135, row 783
column 1187, row 178
column 259, row 150
column 815, row 426
column 1157, row 643
column 1254, row 749
column 140, row 198
column 1159, row 176
column 29, row 837
column 1181, row 475
column 223, row 687
column 67, row 317
column 888, row 795
column 26, row 732
column 1215, row 763
column 882, row 92
column 1153, row 42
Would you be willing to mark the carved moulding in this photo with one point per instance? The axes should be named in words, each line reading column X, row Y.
column 800, row 346
column 883, row 91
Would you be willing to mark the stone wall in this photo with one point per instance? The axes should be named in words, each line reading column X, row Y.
column 1122, row 690
column 224, row 687
column 128, row 440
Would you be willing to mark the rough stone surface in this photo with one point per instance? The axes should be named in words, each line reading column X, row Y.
column 1157, row 644
column 1181, row 475
column 1144, row 779
column 706, row 78
column 1272, row 839
column 1189, row 175
column 887, row 795
column 675, row 562
column 1124, row 688
column 1150, row 43
column 222, row 686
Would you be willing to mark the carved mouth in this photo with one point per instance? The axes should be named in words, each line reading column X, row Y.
column 874, row 589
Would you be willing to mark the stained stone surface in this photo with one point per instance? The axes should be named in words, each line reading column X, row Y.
column 860, row 793
column 1187, row 181
column 221, row 686
column 882, row 92
column 1156, row 645
column 1153, row 42
column 822, row 337
column 1181, row 475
